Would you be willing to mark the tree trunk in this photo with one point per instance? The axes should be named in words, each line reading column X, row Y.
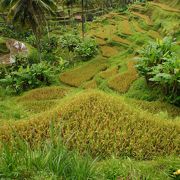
column 83, row 19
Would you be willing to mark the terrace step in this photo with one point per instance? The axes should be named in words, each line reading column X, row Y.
column 108, row 51
column 144, row 17
column 165, row 7
column 78, row 76
column 137, row 27
column 122, row 82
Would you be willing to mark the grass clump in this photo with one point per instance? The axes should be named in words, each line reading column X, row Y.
column 86, row 72
column 102, row 125
column 49, row 160
column 121, row 82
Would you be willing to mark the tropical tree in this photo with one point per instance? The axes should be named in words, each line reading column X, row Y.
column 29, row 14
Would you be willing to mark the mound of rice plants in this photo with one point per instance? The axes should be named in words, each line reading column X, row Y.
column 102, row 125
column 122, row 82
column 45, row 93
column 78, row 76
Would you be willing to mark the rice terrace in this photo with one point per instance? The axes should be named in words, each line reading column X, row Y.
column 90, row 89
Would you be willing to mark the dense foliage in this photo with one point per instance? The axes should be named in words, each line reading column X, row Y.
column 160, row 67
column 87, row 49
column 28, row 78
column 83, row 48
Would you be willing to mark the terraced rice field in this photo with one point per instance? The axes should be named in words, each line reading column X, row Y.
column 103, row 106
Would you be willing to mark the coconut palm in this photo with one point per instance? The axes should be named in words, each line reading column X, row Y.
column 29, row 14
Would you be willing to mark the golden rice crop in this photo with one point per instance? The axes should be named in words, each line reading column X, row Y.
column 78, row 76
column 109, row 72
column 126, row 27
column 144, row 17
column 122, row 82
column 90, row 84
column 45, row 93
column 103, row 125
column 108, row 51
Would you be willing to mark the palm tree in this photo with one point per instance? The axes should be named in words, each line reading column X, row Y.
column 29, row 14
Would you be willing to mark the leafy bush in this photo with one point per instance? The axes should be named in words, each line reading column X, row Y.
column 28, row 78
column 20, row 61
column 160, row 67
column 10, row 32
column 70, row 41
column 86, row 49
column 49, row 44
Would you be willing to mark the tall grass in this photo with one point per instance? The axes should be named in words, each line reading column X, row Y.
column 49, row 159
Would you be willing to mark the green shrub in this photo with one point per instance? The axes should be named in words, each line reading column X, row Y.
column 29, row 77
column 49, row 44
column 160, row 67
column 86, row 49
column 70, row 41
column 10, row 32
